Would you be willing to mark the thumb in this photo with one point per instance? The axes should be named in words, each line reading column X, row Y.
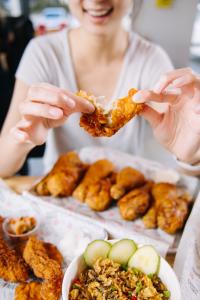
column 152, row 116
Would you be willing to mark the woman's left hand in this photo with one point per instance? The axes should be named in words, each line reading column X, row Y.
column 177, row 129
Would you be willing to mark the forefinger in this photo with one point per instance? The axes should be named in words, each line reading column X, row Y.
column 169, row 78
column 148, row 96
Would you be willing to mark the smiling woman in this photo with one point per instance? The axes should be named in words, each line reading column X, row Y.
column 101, row 58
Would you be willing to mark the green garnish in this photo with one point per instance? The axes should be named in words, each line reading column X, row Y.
column 113, row 289
column 130, row 294
column 138, row 287
column 124, row 267
column 167, row 294
column 150, row 275
column 75, row 286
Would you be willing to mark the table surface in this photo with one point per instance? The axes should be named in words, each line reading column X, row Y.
column 21, row 183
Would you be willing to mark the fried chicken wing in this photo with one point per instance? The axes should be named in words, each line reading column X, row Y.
column 104, row 122
column 97, row 171
column 63, row 178
column 98, row 197
column 135, row 203
column 127, row 179
column 12, row 267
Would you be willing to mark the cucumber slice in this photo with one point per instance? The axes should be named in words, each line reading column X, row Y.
column 122, row 250
column 95, row 250
column 145, row 259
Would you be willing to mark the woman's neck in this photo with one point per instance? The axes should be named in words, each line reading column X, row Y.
column 101, row 47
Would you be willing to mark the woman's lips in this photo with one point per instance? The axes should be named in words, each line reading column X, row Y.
column 99, row 15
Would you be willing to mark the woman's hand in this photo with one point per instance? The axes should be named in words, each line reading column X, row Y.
column 178, row 129
column 46, row 107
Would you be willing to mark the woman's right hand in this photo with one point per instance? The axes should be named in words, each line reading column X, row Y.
column 45, row 107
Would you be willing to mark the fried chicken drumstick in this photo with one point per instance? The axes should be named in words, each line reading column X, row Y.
column 104, row 122
column 169, row 210
column 127, row 179
column 63, row 178
column 97, row 171
column 98, row 197
column 135, row 203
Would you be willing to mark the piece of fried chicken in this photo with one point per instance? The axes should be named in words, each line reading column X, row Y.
column 135, row 203
column 28, row 291
column 98, row 196
column 97, row 171
column 170, row 208
column 47, row 290
column 104, row 122
column 36, row 256
column 12, row 267
column 63, row 178
column 127, row 179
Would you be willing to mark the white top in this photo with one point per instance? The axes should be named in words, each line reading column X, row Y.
column 48, row 59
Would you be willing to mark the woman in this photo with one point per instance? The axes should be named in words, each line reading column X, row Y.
column 100, row 57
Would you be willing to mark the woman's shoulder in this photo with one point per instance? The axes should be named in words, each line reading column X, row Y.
column 53, row 40
column 144, row 46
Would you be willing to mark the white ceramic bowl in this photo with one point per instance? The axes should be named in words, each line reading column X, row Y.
column 166, row 274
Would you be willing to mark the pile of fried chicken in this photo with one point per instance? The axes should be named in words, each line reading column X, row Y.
column 99, row 185
column 107, row 121
column 21, row 261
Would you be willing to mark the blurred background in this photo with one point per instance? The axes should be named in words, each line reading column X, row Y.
column 174, row 24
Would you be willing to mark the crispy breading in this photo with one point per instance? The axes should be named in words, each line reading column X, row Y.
column 53, row 253
column 97, row 171
column 28, row 291
column 51, row 289
column 37, row 258
column 127, row 179
column 12, row 267
column 98, row 197
column 134, row 204
column 107, row 123
column 150, row 218
column 172, row 214
column 64, row 176
column 170, row 208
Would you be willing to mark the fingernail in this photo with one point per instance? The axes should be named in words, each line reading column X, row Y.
column 18, row 135
column 197, row 109
column 71, row 103
column 178, row 81
column 55, row 112
column 138, row 98
column 157, row 88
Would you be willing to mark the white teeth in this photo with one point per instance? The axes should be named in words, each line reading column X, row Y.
column 98, row 13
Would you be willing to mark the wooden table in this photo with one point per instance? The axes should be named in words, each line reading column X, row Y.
column 21, row 183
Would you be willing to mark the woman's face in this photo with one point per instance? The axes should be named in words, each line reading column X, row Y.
column 100, row 16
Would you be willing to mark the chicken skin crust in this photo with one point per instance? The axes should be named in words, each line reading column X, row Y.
column 97, row 171
column 169, row 210
column 63, row 178
column 107, row 123
column 127, row 179
column 12, row 267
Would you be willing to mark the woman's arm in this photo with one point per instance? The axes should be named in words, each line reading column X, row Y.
column 33, row 111
column 13, row 152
